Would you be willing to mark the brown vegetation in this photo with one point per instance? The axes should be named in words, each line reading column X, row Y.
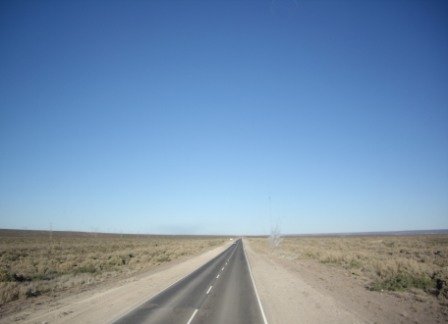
column 391, row 263
column 34, row 263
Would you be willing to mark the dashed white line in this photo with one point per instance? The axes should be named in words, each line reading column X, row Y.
column 222, row 269
column 209, row 288
column 192, row 316
column 217, row 277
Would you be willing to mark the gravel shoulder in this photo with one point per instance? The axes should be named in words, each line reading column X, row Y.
column 287, row 298
column 106, row 304
column 311, row 292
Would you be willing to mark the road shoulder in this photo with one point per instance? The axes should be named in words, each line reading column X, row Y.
column 287, row 298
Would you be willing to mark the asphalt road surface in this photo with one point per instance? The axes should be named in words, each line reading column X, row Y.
column 221, row 291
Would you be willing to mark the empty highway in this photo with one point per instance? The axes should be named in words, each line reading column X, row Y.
column 221, row 291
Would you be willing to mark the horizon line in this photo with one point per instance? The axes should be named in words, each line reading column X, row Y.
column 360, row 233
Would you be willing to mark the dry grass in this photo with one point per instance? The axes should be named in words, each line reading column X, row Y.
column 389, row 262
column 36, row 263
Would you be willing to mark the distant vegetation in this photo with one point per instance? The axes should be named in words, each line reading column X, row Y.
column 46, row 263
column 390, row 262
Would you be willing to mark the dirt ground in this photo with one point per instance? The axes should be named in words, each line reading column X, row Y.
column 312, row 292
column 291, row 291
column 108, row 303
column 36, row 266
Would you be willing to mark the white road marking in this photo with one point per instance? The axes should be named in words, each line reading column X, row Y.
column 217, row 277
column 209, row 288
column 265, row 321
column 145, row 299
column 192, row 316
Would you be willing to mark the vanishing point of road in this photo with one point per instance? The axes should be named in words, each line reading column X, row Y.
column 221, row 291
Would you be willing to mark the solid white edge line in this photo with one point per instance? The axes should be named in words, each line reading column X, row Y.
column 209, row 288
column 255, row 288
column 192, row 316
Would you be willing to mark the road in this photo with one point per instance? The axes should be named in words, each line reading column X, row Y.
column 221, row 291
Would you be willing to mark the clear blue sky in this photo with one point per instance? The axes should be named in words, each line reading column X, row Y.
column 185, row 117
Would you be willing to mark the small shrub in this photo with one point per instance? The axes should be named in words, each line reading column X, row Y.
column 89, row 268
column 163, row 258
column 9, row 291
column 355, row 264
column 5, row 276
column 441, row 283
column 32, row 292
column 389, row 244
column 20, row 277
column 65, row 267
column 404, row 281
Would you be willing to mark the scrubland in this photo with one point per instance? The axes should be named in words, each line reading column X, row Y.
column 46, row 264
column 389, row 263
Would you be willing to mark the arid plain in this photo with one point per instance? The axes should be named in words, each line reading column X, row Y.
column 38, row 267
column 383, row 279
column 67, row 277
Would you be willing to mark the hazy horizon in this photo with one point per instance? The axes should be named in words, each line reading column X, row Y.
column 385, row 233
column 177, row 117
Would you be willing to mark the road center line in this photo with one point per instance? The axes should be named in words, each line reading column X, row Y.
column 217, row 277
column 222, row 269
column 192, row 316
column 209, row 288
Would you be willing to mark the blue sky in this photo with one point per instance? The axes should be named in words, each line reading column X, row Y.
column 186, row 116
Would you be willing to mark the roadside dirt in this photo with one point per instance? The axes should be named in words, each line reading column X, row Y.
column 106, row 304
column 311, row 292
